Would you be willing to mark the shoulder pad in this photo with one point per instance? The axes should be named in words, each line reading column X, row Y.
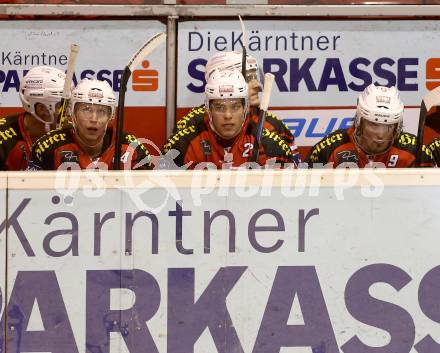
column 8, row 121
column 407, row 142
column 320, row 153
column 51, row 140
column 183, row 137
column 274, row 144
column 196, row 115
column 130, row 139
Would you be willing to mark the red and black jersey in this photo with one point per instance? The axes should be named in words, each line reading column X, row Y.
column 60, row 146
column 339, row 147
column 15, row 143
column 198, row 143
column 272, row 123
column 434, row 147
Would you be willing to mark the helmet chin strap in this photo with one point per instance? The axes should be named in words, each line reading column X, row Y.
column 47, row 124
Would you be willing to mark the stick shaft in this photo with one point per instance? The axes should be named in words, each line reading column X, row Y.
column 264, row 105
column 244, row 46
column 420, row 133
column 74, row 49
column 120, row 121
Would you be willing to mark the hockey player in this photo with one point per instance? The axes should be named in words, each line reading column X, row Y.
column 376, row 139
column 233, row 60
column 40, row 93
column 89, row 142
column 225, row 136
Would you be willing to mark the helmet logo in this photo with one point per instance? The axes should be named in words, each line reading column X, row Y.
column 94, row 93
column 226, row 89
column 34, row 84
column 382, row 115
column 383, row 99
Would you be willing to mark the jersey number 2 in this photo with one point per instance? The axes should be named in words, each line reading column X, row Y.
column 248, row 147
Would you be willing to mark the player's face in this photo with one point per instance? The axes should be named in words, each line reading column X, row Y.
column 91, row 121
column 227, row 116
column 254, row 87
column 376, row 138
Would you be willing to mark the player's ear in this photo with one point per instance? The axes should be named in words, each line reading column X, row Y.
column 40, row 109
column 110, row 113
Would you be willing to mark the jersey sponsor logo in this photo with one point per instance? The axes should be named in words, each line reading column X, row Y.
column 348, row 156
column 278, row 140
column 42, row 145
column 407, row 140
column 194, row 113
column 428, row 151
column 434, row 145
column 324, row 144
column 177, row 136
column 327, row 142
column 7, row 134
column 271, row 117
column 131, row 139
column 69, row 156
column 143, row 158
column 33, row 166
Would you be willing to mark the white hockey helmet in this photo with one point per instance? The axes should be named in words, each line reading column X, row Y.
column 42, row 84
column 95, row 92
column 228, row 60
column 380, row 104
column 226, row 84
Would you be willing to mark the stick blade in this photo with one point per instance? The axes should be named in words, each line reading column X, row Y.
column 147, row 48
column 430, row 100
column 243, row 31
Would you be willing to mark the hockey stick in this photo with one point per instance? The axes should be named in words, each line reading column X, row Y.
column 431, row 99
column 74, row 49
column 244, row 45
column 147, row 48
column 267, row 90
column 433, row 118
